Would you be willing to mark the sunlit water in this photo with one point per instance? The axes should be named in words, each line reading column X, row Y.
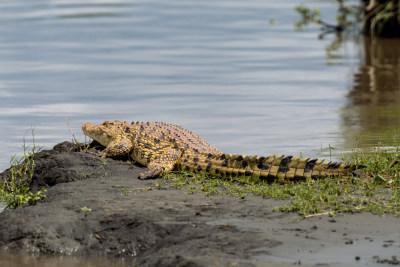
column 235, row 72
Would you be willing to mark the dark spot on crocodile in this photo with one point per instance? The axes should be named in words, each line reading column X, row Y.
column 248, row 173
column 199, row 168
column 223, row 156
column 225, row 163
column 310, row 165
column 263, row 166
column 209, row 157
column 261, row 159
column 186, row 159
column 239, row 158
column 244, row 164
column 161, row 148
column 337, row 165
column 268, row 178
column 283, row 168
column 217, row 171
column 120, row 147
column 195, row 161
column 127, row 130
column 208, row 167
column 286, row 160
column 156, row 140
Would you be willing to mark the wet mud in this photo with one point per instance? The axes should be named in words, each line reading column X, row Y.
column 168, row 227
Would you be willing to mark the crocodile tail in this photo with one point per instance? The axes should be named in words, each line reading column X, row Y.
column 272, row 168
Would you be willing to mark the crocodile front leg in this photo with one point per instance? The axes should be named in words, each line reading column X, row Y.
column 117, row 148
column 164, row 163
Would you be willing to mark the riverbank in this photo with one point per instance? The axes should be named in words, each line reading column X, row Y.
column 98, row 207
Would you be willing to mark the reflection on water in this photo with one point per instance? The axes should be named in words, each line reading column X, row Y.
column 372, row 115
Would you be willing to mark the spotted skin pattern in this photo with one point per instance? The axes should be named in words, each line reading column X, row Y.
column 164, row 147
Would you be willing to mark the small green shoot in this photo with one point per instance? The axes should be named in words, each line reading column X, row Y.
column 85, row 147
column 85, row 211
column 103, row 165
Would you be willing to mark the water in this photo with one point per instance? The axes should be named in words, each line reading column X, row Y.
column 219, row 69
column 372, row 114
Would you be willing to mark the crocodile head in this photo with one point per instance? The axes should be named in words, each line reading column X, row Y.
column 104, row 133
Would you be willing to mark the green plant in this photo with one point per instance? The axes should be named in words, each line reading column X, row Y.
column 158, row 185
column 85, row 211
column 307, row 16
column 86, row 174
column 378, row 18
column 381, row 14
column 14, row 190
column 82, row 147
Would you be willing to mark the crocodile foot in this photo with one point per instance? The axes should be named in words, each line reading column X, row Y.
column 153, row 173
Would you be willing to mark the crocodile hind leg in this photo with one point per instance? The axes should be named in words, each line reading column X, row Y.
column 164, row 163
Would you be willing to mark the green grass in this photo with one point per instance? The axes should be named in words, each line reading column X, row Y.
column 375, row 189
column 14, row 188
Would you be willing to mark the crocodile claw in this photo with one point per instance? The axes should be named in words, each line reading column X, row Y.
column 154, row 173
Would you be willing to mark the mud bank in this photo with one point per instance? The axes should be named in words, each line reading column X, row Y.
column 171, row 228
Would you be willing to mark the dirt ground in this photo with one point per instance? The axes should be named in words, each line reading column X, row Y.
column 171, row 228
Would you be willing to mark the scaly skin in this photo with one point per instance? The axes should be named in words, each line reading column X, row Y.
column 164, row 147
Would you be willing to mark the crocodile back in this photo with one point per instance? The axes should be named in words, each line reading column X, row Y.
column 183, row 138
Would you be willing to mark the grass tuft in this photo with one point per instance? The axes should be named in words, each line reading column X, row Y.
column 14, row 190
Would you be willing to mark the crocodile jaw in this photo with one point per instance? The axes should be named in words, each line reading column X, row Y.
column 97, row 132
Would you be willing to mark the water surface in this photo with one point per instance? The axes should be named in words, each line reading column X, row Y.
column 220, row 69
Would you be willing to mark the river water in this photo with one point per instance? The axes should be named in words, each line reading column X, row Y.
column 235, row 72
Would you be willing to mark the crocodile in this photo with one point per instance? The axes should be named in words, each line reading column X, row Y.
column 165, row 147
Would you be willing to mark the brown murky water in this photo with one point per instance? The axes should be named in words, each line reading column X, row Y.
column 372, row 115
